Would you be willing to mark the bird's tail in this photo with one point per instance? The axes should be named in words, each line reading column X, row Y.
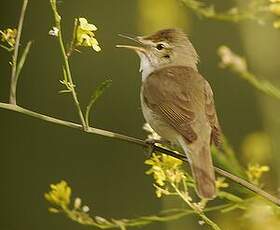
column 202, row 169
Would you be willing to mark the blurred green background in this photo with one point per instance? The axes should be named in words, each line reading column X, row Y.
column 108, row 174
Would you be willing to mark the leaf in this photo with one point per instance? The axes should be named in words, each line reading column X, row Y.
column 23, row 58
column 230, row 197
column 96, row 94
column 7, row 48
column 65, row 91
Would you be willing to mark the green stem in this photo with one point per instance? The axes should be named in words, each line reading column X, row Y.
column 57, row 18
column 14, row 76
column 264, row 86
column 202, row 10
column 166, row 216
column 137, row 141
column 196, row 209
column 72, row 44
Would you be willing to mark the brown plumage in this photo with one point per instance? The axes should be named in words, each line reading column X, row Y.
column 184, row 99
column 178, row 102
column 169, row 35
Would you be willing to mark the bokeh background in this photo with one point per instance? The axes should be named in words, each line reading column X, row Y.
column 108, row 174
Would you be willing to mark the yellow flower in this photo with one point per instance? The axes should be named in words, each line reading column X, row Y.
column 276, row 24
column 220, row 183
column 165, row 169
column 255, row 172
column 275, row 8
column 9, row 36
column 59, row 195
column 85, row 35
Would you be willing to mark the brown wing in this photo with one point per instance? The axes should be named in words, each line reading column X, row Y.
column 212, row 116
column 177, row 93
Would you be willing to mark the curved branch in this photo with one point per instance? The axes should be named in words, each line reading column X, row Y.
column 140, row 142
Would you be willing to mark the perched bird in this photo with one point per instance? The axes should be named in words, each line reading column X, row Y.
column 178, row 102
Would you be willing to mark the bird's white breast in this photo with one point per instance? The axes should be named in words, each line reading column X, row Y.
column 145, row 66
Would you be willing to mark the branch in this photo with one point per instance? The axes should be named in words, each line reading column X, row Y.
column 139, row 142
column 14, row 76
column 59, row 197
column 198, row 212
column 166, row 216
column 232, row 15
column 237, row 64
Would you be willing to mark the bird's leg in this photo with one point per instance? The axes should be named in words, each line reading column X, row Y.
column 152, row 142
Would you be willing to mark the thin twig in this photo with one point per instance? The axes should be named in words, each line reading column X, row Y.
column 166, row 216
column 14, row 76
column 232, row 15
column 72, row 44
column 237, row 64
column 137, row 141
column 197, row 210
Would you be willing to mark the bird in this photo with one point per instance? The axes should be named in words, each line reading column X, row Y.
column 178, row 102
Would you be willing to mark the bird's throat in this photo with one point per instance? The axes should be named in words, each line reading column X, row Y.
column 146, row 66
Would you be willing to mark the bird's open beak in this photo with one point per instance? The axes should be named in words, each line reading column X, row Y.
column 140, row 48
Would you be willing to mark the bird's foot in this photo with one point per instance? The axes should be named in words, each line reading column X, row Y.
column 152, row 143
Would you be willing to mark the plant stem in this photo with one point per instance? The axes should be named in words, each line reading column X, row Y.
column 200, row 9
column 262, row 85
column 72, row 44
column 166, row 216
column 137, row 141
column 57, row 18
column 14, row 76
column 196, row 209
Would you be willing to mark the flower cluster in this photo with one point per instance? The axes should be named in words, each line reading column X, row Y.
column 59, row 195
column 274, row 8
column 220, row 183
column 85, row 35
column 231, row 60
column 165, row 170
column 255, row 172
column 9, row 36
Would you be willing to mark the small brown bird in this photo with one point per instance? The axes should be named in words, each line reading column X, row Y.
column 178, row 102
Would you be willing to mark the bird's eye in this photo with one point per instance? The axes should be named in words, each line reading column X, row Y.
column 160, row 46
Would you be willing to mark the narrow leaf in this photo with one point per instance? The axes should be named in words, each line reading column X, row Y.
column 23, row 58
column 230, row 197
column 7, row 48
column 96, row 94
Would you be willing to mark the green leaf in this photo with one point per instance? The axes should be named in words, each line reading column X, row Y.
column 7, row 48
column 230, row 197
column 23, row 58
column 96, row 94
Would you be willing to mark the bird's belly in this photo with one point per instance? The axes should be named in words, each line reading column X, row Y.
column 159, row 125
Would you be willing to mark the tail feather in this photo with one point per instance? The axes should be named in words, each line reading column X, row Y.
column 203, row 172
column 202, row 169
